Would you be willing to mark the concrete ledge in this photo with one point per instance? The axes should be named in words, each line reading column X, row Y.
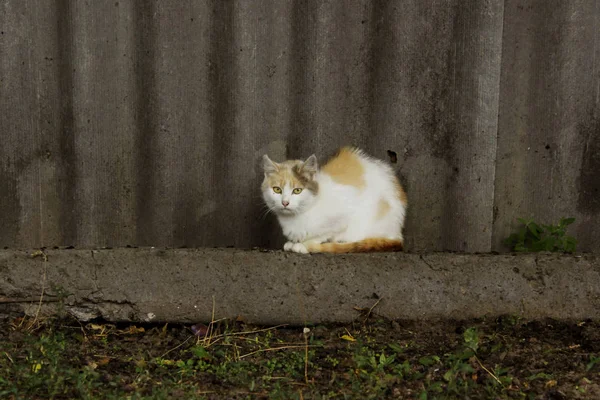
column 178, row 285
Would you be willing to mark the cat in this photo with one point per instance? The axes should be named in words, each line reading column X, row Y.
column 354, row 203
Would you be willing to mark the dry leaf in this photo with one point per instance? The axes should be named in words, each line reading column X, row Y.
column 132, row 330
column 39, row 253
column 551, row 383
column 36, row 367
column 240, row 319
column 104, row 361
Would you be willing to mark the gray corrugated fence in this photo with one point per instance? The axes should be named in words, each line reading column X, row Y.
column 142, row 122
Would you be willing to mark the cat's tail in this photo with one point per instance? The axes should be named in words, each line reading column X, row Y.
column 362, row 246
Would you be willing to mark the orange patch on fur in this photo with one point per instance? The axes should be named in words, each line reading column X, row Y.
column 286, row 174
column 363, row 246
column 346, row 168
column 401, row 192
column 282, row 177
column 382, row 208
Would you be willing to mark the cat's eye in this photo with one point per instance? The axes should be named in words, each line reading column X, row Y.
column 277, row 189
column 297, row 191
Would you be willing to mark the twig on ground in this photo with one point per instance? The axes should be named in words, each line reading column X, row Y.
column 211, row 326
column 277, row 378
column 248, row 332
column 305, row 332
column 9, row 357
column 236, row 352
column 488, row 371
column 206, row 340
column 371, row 309
column 81, row 327
column 275, row 349
column 176, row 347
column 37, row 313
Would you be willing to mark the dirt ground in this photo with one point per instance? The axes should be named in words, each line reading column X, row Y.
column 504, row 358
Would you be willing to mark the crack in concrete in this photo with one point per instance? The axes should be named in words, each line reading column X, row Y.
column 17, row 300
column 95, row 275
column 536, row 280
column 430, row 266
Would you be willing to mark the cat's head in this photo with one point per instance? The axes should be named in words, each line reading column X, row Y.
column 289, row 187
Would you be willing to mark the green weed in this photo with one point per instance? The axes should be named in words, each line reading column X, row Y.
column 593, row 361
column 533, row 237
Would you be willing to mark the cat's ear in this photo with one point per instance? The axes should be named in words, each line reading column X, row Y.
column 269, row 166
column 310, row 166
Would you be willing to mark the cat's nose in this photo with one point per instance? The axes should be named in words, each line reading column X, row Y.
column 285, row 203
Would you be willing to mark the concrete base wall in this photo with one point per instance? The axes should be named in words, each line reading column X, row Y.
column 178, row 285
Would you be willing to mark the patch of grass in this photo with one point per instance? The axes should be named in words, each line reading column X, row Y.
column 42, row 369
column 533, row 237
column 496, row 360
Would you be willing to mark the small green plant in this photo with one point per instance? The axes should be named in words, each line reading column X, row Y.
column 532, row 236
column 539, row 375
column 592, row 363
column 461, row 363
column 427, row 361
column 332, row 360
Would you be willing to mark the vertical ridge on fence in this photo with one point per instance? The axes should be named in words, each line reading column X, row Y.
column 548, row 164
column 143, row 123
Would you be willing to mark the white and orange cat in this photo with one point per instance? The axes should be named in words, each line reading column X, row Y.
column 354, row 203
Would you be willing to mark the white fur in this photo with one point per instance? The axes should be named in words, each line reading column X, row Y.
column 340, row 213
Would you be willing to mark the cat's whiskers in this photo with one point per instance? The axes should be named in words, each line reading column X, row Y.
column 266, row 210
column 265, row 213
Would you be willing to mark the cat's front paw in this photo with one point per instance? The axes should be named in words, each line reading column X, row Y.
column 299, row 248
column 288, row 246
